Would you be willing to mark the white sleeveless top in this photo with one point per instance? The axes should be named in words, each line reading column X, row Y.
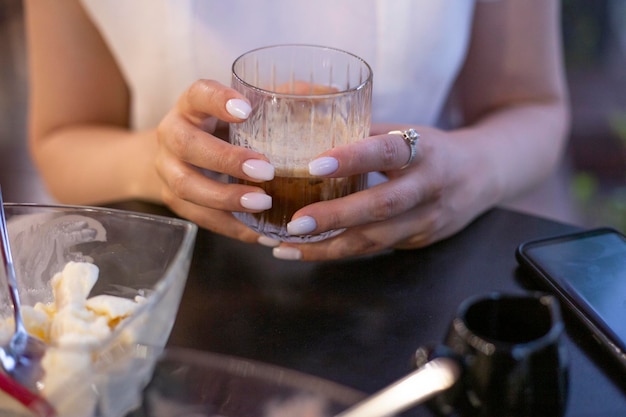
column 415, row 47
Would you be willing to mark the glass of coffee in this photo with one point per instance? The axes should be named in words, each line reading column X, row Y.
column 305, row 99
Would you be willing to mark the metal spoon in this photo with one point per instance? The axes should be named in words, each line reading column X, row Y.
column 430, row 379
column 21, row 357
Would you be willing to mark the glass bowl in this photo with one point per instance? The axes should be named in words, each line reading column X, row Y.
column 140, row 257
column 188, row 383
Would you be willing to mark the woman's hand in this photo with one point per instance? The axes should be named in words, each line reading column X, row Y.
column 191, row 157
column 432, row 198
column 512, row 101
column 428, row 200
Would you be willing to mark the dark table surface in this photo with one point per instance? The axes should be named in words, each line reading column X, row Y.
column 358, row 321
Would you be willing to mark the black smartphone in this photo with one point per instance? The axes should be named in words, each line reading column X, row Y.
column 587, row 271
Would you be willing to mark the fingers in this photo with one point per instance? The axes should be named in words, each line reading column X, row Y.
column 399, row 214
column 399, row 232
column 186, row 132
column 386, row 152
column 379, row 203
column 218, row 221
column 210, row 98
column 187, row 143
column 188, row 148
column 184, row 179
column 417, row 228
column 190, row 184
column 380, row 217
column 417, row 184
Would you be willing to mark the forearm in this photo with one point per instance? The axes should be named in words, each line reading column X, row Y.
column 98, row 164
column 519, row 145
column 512, row 93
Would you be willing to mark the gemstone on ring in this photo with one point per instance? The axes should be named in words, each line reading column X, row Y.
column 411, row 137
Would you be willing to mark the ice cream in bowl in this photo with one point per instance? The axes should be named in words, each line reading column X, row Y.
column 101, row 287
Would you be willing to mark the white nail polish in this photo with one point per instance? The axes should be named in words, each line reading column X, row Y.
column 258, row 169
column 301, row 225
column 287, row 253
column 323, row 166
column 256, row 201
column 238, row 108
column 268, row 241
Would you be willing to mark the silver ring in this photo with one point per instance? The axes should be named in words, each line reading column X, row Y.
column 411, row 137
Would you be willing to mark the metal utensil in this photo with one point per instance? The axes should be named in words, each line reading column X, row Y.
column 21, row 357
column 436, row 376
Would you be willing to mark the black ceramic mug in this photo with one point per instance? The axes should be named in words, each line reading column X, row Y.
column 511, row 358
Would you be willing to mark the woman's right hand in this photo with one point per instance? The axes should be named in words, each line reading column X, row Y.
column 189, row 145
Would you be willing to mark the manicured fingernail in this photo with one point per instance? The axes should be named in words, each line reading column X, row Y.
column 268, row 241
column 323, row 166
column 287, row 253
column 301, row 225
column 258, row 169
column 238, row 108
column 256, row 201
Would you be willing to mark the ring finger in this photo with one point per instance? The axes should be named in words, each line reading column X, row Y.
column 386, row 152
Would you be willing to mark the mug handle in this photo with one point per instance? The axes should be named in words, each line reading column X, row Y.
column 429, row 379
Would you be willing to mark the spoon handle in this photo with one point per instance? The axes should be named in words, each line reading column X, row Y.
column 9, row 268
column 435, row 376
column 7, row 258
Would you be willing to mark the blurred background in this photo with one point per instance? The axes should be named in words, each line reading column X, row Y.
column 25, row 186
column 594, row 34
column 588, row 189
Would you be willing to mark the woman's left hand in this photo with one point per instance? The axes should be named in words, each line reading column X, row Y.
column 512, row 99
column 438, row 194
